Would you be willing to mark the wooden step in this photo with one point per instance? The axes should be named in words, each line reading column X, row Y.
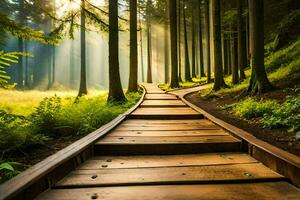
column 167, row 133
column 249, row 172
column 160, row 145
column 163, row 103
column 165, row 113
column 187, row 122
column 160, row 97
column 122, row 162
column 240, row 191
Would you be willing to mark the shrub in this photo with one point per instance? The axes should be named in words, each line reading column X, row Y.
column 253, row 108
column 9, row 170
column 286, row 115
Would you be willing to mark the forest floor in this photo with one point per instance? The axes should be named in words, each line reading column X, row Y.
column 37, row 124
column 279, row 137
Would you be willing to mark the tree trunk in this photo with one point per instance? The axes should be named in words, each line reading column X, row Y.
column 234, row 64
column 186, row 50
column 193, row 42
column 53, row 64
column 133, row 74
column 116, row 93
column 241, row 41
column 166, row 44
column 208, row 68
column 20, row 70
column 141, row 43
column 201, row 63
column 82, row 86
column 179, row 41
column 72, row 65
column 228, row 55
column 259, row 81
column 218, row 69
column 173, row 34
column 149, row 46
column 225, row 52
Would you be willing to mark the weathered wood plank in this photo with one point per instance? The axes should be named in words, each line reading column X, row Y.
column 160, row 97
column 113, row 162
column 169, row 175
column 244, row 191
column 166, row 140
column 168, row 133
column 167, row 121
column 163, row 103
column 166, row 127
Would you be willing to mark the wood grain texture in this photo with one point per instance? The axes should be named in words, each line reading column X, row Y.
column 160, row 97
column 169, row 175
column 113, row 162
column 163, row 103
column 166, row 133
column 244, row 191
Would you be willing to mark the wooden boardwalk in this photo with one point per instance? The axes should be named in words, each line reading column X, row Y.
column 165, row 150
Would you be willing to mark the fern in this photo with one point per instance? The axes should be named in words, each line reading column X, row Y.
column 6, row 60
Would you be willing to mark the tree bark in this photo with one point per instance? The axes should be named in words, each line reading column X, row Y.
column 242, row 51
column 218, row 69
column 83, row 85
column 141, row 44
column 20, row 71
column 116, row 93
column 166, row 44
column 133, row 74
column 208, row 67
column 201, row 63
column 173, row 34
column 187, row 67
column 234, row 64
column 259, row 81
column 193, row 42
column 179, row 42
column 149, row 46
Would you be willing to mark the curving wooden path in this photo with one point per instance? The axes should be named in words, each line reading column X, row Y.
column 165, row 150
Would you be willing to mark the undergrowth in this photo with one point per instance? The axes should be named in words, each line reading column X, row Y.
column 53, row 118
column 270, row 113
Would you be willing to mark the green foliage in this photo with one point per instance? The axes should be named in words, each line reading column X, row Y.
column 9, row 170
column 56, row 117
column 271, row 114
column 6, row 59
column 252, row 108
column 286, row 115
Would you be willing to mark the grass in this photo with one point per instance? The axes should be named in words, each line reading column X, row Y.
column 45, row 116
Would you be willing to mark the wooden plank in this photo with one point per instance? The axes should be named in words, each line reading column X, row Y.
column 166, row 127
column 114, row 162
column 160, row 97
column 240, row 191
column 163, row 103
column 164, row 112
column 167, row 121
column 167, row 140
column 174, row 133
column 169, row 175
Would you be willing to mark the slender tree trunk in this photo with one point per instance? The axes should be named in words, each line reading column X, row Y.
column 225, row 56
column 218, row 69
column 228, row 55
column 234, row 64
column 173, row 34
column 179, row 41
column 259, row 81
column 166, row 44
column 187, row 66
column 49, row 66
column 141, row 43
column 208, row 67
column 133, row 75
column 201, row 63
column 193, row 42
column 26, row 79
column 20, row 70
column 241, row 41
column 149, row 45
column 247, row 36
column 83, row 85
column 115, row 87
column 53, row 64
column 72, row 65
